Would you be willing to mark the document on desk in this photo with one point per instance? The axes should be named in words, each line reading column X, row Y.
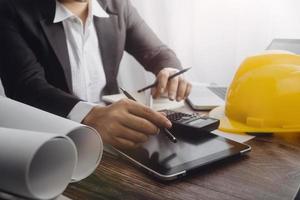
column 241, row 138
column 28, row 131
column 146, row 99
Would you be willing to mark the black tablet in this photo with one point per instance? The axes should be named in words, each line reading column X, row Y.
column 168, row 161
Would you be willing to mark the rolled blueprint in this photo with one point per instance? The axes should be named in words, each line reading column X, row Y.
column 87, row 141
column 35, row 165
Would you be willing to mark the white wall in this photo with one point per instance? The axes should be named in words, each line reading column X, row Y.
column 214, row 36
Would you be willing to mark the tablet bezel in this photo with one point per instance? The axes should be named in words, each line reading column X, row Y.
column 182, row 169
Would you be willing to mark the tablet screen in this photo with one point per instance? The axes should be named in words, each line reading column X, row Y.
column 161, row 155
column 168, row 154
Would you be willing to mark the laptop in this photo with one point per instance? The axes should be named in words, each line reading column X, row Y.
column 208, row 97
column 292, row 45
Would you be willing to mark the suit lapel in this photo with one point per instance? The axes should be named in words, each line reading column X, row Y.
column 57, row 38
column 108, row 42
column 55, row 35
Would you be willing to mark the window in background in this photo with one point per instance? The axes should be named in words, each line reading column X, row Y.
column 214, row 36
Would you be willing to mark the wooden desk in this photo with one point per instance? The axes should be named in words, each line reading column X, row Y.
column 270, row 171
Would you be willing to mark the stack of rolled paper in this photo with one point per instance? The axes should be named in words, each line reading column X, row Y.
column 41, row 153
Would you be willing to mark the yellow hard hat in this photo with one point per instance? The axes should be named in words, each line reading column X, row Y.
column 264, row 96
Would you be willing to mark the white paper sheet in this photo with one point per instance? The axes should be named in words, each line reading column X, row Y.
column 35, row 165
column 87, row 141
column 155, row 104
column 241, row 138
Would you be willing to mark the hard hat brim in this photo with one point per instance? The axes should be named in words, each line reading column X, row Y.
column 228, row 125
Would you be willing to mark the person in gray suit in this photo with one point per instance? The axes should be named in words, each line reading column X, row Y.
column 63, row 55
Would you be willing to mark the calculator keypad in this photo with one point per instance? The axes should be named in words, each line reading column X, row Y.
column 179, row 117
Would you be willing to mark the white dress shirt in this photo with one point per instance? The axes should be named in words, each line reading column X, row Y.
column 88, row 77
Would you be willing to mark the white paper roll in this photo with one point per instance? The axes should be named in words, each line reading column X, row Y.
column 35, row 165
column 87, row 141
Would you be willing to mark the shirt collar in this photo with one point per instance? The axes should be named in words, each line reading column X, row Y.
column 62, row 13
column 97, row 10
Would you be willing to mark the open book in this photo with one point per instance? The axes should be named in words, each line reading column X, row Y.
column 40, row 153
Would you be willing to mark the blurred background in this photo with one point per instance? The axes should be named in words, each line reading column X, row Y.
column 214, row 36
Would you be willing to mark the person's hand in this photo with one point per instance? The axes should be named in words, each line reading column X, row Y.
column 177, row 88
column 126, row 124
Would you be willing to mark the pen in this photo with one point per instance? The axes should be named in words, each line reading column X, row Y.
column 165, row 130
column 172, row 76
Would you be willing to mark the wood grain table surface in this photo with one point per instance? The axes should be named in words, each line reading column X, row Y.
column 270, row 172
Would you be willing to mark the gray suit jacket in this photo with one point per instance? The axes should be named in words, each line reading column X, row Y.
column 34, row 62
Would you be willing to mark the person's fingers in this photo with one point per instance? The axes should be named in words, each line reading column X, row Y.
column 188, row 90
column 181, row 91
column 125, row 144
column 140, row 124
column 145, row 112
column 153, row 91
column 172, row 88
column 132, row 135
column 162, row 82
column 163, row 113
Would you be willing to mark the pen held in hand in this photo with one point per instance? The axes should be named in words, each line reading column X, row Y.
column 172, row 76
column 127, row 94
column 165, row 130
column 170, row 135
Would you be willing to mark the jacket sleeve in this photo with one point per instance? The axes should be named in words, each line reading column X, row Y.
column 22, row 75
column 145, row 46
